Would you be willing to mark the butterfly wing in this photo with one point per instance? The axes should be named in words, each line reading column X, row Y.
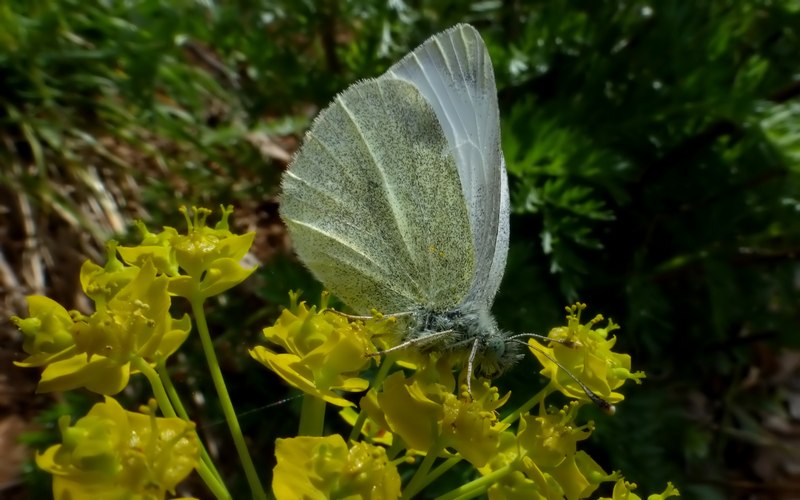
column 374, row 204
column 454, row 73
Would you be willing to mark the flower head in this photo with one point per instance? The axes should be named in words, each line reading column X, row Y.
column 523, row 478
column 95, row 351
column 543, row 459
column 117, row 453
column 322, row 352
column 623, row 490
column 324, row 467
column 102, row 283
column 584, row 350
column 210, row 257
column 551, row 436
column 48, row 331
column 428, row 416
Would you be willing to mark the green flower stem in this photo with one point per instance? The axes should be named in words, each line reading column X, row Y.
column 421, row 477
column 225, row 400
column 398, row 445
column 357, row 426
column 443, row 467
column 161, row 368
column 383, row 372
column 478, row 486
column 526, row 407
column 312, row 416
column 163, row 375
column 155, row 383
column 209, row 475
column 216, row 486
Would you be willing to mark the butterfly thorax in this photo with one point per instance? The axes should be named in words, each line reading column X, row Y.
column 467, row 324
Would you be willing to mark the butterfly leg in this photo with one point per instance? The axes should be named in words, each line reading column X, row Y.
column 470, row 365
column 415, row 342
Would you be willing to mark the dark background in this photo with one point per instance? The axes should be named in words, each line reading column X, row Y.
column 653, row 150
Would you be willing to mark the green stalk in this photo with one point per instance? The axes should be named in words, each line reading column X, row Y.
column 524, row 408
column 478, row 486
column 155, row 383
column 312, row 416
column 397, row 446
column 421, row 478
column 383, row 372
column 357, row 425
column 443, row 467
column 174, row 397
column 216, row 486
column 207, row 473
column 225, row 400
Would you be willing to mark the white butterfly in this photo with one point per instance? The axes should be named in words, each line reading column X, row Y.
column 398, row 198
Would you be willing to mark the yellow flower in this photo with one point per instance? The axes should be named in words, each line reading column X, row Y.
column 543, row 459
column 428, row 416
column 47, row 330
column 373, row 431
column 623, row 490
column 585, row 351
column 96, row 350
column 323, row 352
column 113, row 453
column 324, row 467
column 210, row 257
column 550, row 437
column 523, row 479
column 156, row 248
column 102, row 283
column 579, row 475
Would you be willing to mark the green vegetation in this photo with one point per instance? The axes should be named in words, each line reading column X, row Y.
column 653, row 150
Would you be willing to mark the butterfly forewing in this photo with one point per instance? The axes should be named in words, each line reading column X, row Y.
column 374, row 203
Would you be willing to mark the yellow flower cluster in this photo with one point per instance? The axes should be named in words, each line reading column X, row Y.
column 422, row 410
column 408, row 410
column 113, row 453
column 325, row 467
column 584, row 350
column 321, row 352
column 132, row 298
column 131, row 322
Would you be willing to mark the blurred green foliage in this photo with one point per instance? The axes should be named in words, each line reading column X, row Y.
column 653, row 150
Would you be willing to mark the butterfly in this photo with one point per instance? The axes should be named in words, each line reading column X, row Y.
column 398, row 200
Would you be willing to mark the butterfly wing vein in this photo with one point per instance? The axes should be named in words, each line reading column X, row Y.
column 374, row 202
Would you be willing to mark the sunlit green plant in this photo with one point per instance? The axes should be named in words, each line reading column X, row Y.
column 412, row 416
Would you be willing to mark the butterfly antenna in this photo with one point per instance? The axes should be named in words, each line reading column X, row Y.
column 567, row 343
column 366, row 317
column 604, row 405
